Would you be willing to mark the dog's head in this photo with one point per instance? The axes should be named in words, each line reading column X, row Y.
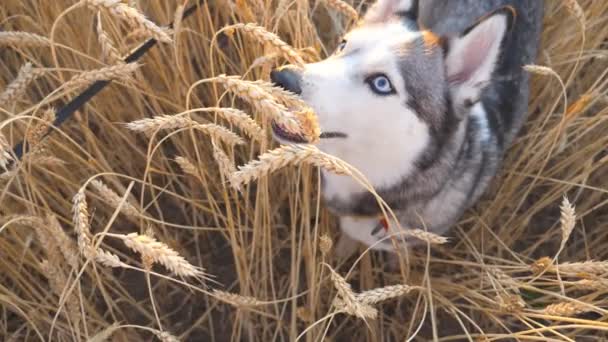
column 392, row 89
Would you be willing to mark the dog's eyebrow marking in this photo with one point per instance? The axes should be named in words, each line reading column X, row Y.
column 330, row 135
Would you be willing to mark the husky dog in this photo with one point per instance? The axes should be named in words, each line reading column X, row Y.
column 422, row 97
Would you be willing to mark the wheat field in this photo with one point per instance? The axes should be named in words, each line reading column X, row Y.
column 136, row 220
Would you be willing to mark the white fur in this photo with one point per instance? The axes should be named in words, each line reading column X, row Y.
column 359, row 228
column 375, row 124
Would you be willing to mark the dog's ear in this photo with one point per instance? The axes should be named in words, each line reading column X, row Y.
column 471, row 57
column 383, row 10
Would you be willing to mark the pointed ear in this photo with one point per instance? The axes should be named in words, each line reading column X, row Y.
column 383, row 10
column 471, row 57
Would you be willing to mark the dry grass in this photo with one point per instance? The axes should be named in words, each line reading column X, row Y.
column 124, row 259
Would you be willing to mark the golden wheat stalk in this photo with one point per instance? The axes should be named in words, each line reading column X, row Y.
column 132, row 16
column 566, row 309
column 109, row 53
column 160, row 253
column 381, row 294
column 151, row 125
column 567, row 220
column 236, row 300
column 16, row 89
column 269, row 38
column 5, row 152
column 344, row 8
column 120, row 72
column 242, row 120
column 114, row 200
column 22, row 39
column 261, row 100
column 284, row 156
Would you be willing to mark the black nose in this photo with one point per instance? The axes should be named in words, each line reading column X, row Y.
column 287, row 78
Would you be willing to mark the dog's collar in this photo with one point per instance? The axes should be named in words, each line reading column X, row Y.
column 382, row 224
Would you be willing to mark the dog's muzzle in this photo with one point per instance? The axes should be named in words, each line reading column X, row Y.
column 288, row 78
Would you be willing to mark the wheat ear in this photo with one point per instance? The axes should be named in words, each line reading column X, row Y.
column 381, row 294
column 346, row 300
column 575, row 8
column 236, row 299
column 39, row 128
column 224, row 162
column 242, row 120
column 25, row 39
column 131, row 16
column 587, row 267
column 325, row 244
column 164, row 336
column 287, row 155
column 592, row 284
column 151, row 125
column 187, row 166
column 18, row 86
column 269, row 38
column 109, row 53
column 344, row 8
column 114, row 200
column 121, row 72
column 261, row 100
column 81, row 223
column 425, row 236
column 62, row 240
column 566, row 309
column 5, row 152
column 160, row 253
column 288, row 98
column 510, row 303
column 58, row 281
column 567, row 220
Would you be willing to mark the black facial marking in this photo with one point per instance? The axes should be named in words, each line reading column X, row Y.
column 331, row 135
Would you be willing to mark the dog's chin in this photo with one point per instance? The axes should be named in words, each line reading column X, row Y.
column 283, row 136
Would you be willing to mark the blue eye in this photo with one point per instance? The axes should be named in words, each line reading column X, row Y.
column 341, row 46
column 380, row 84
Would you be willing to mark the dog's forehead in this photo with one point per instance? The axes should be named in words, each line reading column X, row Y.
column 382, row 35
